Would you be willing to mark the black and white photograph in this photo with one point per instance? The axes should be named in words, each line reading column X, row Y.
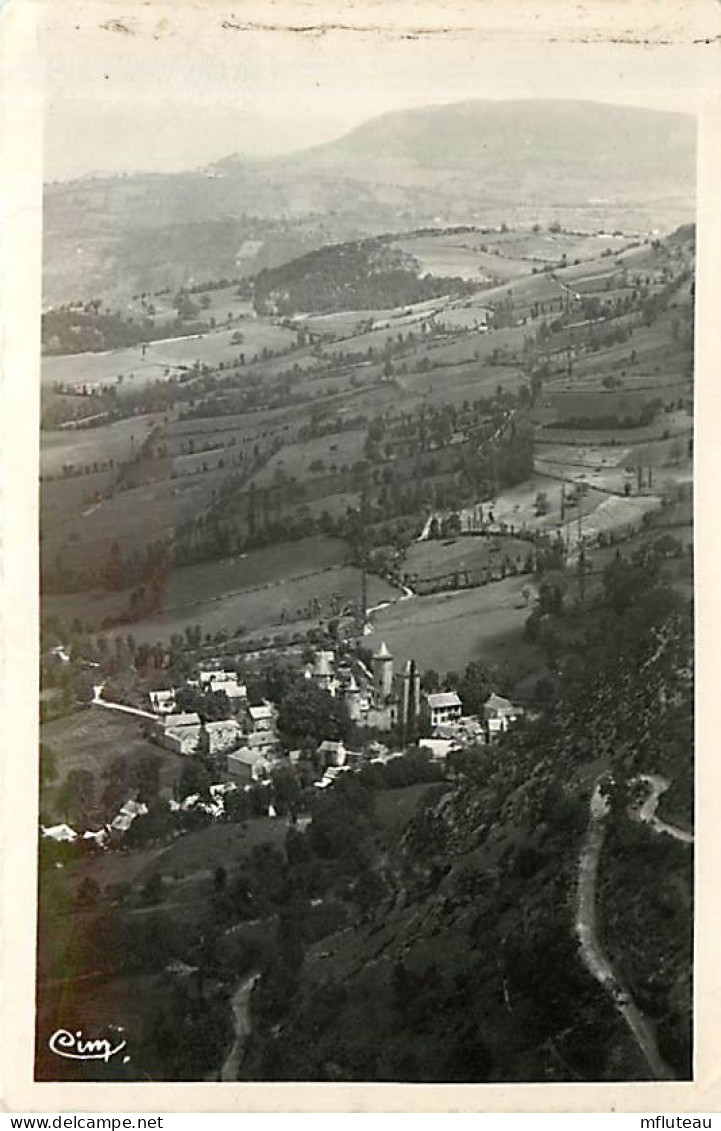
column 366, row 554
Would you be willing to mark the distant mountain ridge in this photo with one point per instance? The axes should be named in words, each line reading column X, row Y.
column 587, row 164
column 466, row 135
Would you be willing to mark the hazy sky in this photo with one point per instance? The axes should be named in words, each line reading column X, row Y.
column 153, row 88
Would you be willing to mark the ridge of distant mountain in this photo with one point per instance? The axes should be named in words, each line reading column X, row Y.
column 465, row 134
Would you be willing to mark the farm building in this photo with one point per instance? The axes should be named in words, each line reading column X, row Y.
column 249, row 764
column 332, row 753
column 498, row 714
column 181, row 733
column 129, row 811
column 59, row 833
column 222, row 681
column 178, row 733
column 162, row 702
column 265, row 740
column 439, row 748
column 466, row 731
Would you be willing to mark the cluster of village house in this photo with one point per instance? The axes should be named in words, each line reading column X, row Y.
column 380, row 699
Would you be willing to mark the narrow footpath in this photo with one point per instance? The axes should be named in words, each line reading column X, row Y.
column 240, row 1004
column 647, row 811
column 98, row 701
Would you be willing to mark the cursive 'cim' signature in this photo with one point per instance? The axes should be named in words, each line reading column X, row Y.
column 73, row 1046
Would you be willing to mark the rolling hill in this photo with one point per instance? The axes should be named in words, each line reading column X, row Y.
column 587, row 164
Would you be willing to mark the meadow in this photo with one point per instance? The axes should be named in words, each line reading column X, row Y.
column 432, row 557
column 459, row 256
column 91, row 739
column 550, row 246
column 131, row 518
column 193, row 858
column 85, row 446
column 130, row 368
column 267, row 609
column 295, row 460
column 449, row 630
column 257, row 569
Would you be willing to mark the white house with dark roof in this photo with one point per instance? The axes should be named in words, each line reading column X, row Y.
column 262, row 718
column 444, row 707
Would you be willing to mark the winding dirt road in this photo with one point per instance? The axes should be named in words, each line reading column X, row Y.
column 592, row 953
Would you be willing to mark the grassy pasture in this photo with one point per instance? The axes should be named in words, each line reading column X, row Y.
column 377, row 338
column 395, row 807
column 260, row 610
column 207, row 584
column 270, row 565
column 173, row 355
column 457, row 348
column 337, row 323
column 90, row 740
column 127, row 369
column 502, row 268
column 525, row 292
column 453, row 385
column 335, row 503
column 666, row 425
column 249, row 425
column 63, row 500
column 350, row 323
column 81, row 446
column 432, row 558
column 448, row 630
column 551, row 246
column 221, row 302
column 199, row 853
column 131, row 518
column 259, row 334
column 465, row 317
column 461, row 256
column 90, row 607
column 295, row 459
